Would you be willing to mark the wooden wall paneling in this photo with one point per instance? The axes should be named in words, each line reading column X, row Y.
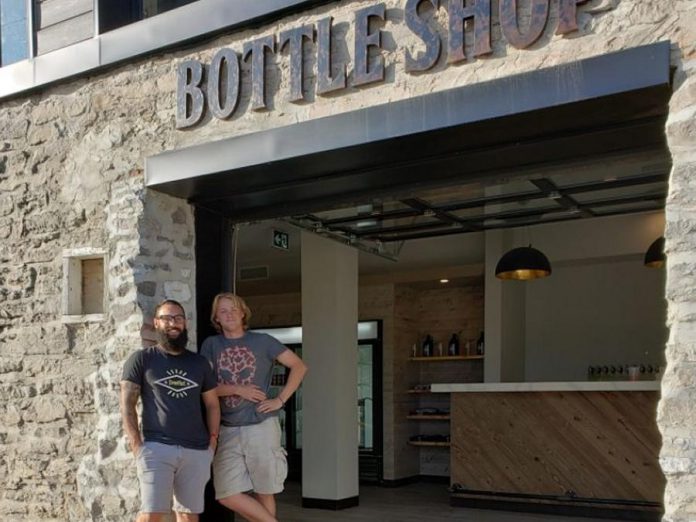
column 622, row 428
column 602, row 445
column 556, row 446
column 590, row 427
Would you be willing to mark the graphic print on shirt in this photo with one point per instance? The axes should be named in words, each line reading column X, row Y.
column 176, row 383
column 236, row 365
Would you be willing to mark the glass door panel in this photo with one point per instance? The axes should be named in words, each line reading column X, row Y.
column 365, row 397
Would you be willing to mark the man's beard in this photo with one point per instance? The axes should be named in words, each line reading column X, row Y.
column 173, row 344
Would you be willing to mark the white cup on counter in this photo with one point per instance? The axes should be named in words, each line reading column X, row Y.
column 633, row 373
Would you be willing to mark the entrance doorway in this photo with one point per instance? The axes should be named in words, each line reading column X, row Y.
column 594, row 158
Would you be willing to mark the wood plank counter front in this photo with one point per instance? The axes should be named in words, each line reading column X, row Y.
column 558, row 443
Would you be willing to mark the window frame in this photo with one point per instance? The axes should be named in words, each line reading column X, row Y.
column 72, row 307
column 176, row 28
column 29, row 13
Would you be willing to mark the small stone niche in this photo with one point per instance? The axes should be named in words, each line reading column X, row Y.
column 83, row 285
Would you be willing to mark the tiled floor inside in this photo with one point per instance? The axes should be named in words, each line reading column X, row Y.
column 412, row 503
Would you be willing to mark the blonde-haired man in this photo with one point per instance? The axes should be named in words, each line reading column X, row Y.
column 250, row 465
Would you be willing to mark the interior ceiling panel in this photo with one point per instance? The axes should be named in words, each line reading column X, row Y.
column 592, row 189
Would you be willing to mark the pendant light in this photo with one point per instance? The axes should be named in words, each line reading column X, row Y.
column 655, row 256
column 523, row 264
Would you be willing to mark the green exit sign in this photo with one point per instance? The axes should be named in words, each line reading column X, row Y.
column 281, row 240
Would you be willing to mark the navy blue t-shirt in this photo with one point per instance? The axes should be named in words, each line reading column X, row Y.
column 170, row 389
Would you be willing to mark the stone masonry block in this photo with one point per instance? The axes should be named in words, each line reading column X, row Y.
column 46, row 410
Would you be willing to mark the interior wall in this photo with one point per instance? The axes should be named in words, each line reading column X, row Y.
column 375, row 302
column 595, row 313
column 513, row 358
column 600, row 306
column 439, row 311
column 407, row 312
column 504, row 346
column 406, row 457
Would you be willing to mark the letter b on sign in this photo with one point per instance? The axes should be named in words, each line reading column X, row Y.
column 190, row 101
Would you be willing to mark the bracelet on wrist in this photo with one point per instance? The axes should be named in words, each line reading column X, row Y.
column 281, row 400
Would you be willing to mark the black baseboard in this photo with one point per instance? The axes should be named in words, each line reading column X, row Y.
column 434, row 479
column 332, row 505
column 613, row 511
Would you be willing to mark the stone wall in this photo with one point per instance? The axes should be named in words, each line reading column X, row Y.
column 68, row 183
column 71, row 175
column 677, row 408
column 160, row 229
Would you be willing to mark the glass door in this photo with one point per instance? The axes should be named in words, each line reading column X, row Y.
column 290, row 417
column 365, row 398
column 370, row 410
column 369, row 404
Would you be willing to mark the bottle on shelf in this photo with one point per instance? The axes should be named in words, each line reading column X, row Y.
column 480, row 347
column 453, row 346
column 591, row 373
column 427, row 348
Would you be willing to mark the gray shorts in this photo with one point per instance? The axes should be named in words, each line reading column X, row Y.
column 167, row 471
column 250, row 458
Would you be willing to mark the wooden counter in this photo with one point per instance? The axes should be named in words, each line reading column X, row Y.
column 589, row 448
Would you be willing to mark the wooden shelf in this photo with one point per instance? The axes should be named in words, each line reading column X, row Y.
column 447, row 358
column 428, row 417
column 429, row 444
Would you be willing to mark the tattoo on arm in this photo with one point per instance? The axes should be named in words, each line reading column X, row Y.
column 212, row 410
column 130, row 393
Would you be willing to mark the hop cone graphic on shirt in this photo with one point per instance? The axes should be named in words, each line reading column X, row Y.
column 236, row 365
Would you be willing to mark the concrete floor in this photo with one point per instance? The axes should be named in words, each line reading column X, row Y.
column 412, row 503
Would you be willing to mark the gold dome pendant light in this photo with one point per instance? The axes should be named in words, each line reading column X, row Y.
column 655, row 256
column 523, row 264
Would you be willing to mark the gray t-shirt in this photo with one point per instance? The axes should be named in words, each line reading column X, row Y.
column 170, row 389
column 246, row 360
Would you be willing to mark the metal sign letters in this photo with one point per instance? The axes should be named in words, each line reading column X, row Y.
column 218, row 86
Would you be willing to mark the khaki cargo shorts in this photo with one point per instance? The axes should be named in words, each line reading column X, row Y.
column 250, row 458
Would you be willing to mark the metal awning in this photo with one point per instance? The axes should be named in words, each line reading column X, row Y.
column 614, row 103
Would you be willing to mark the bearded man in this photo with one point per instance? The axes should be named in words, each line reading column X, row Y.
column 178, row 440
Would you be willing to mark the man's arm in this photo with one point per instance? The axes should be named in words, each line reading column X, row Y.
column 250, row 392
column 298, row 369
column 130, row 393
column 212, row 415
